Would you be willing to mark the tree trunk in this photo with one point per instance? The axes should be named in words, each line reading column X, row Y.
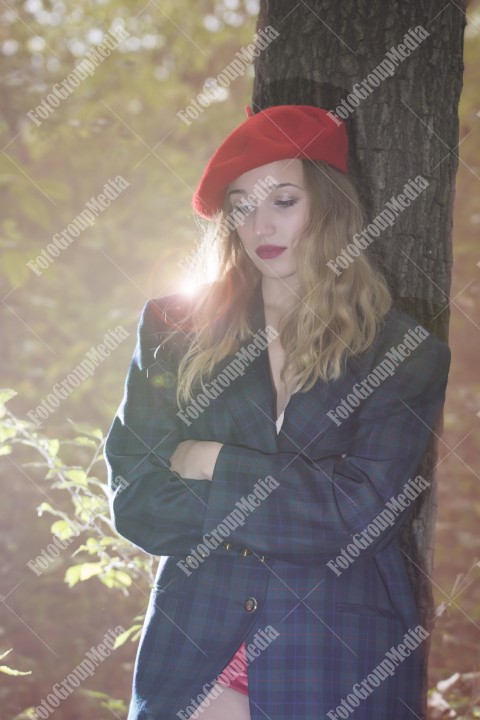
column 404, row 127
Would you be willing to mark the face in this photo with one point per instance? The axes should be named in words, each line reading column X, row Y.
column 272, row 225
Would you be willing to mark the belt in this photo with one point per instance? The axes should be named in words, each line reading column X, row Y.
column 244, row 551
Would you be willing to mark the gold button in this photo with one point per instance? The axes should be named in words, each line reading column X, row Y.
column 262, row 558
column 227, row 545
column 245, row 551
column 250, row 604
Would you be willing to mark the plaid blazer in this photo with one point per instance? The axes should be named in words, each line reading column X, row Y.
column 292, row 547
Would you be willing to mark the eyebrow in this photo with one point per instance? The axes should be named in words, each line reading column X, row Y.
column 274, row 187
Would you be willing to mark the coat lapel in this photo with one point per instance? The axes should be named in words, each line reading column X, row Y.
column 251, row 401
column 306, row 417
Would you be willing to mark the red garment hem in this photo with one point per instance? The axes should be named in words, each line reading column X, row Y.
column 239, row 678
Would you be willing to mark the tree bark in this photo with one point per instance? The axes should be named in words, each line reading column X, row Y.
column 406, row 126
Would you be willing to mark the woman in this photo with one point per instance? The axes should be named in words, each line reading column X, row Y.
column 267, row 448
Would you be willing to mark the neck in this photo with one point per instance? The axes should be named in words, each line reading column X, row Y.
column 280, row 296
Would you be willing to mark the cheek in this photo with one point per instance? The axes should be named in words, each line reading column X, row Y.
column 301, row 223
column 294, row 225
column 299, row 228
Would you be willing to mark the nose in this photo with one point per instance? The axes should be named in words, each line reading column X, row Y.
column 263, row 225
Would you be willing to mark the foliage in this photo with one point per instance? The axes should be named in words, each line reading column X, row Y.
column 10, row 671
column 114, row 561
column 103, row 554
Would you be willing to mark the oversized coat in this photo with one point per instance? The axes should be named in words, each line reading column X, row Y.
column 293, row 545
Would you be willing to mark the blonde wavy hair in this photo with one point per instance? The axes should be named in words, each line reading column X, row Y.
column 335, row 317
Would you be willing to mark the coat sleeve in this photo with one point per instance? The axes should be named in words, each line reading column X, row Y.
column 320, row 501
column 151, row 506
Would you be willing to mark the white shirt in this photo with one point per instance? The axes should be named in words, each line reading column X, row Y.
column 280, row 421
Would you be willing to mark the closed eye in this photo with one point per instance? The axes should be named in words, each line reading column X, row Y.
column 286, row 203
column 244, row 209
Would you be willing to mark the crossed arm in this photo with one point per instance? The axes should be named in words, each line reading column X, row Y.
column 321, row 500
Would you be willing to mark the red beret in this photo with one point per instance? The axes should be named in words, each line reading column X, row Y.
column 276, row 133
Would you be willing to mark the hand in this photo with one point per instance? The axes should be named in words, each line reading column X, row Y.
column 195, row 459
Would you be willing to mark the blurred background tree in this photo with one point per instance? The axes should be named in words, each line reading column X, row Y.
column 123, row 121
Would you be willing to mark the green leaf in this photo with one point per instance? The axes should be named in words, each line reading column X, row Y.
column 72, row 576
column 77, row 475
column 137, row 634
column 80, row 573
column 95, row 694
column 62, row 529
column 10, row 671
column 6, row 394
column 116, row 579
column 86, row 429
column 53, row 447
column 82, row 440
column 6, row 433
column 46, row 507
column 123, row 637
column 108, row 540
column 26, row 714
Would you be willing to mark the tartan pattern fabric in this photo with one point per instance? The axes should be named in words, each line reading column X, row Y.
column 331, row 628
column 238, row 679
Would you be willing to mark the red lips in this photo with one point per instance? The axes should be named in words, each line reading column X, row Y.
column 269, row 251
